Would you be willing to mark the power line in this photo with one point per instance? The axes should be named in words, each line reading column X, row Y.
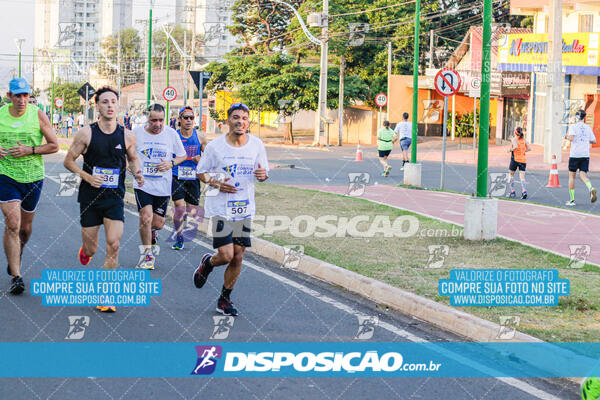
column 373, row 9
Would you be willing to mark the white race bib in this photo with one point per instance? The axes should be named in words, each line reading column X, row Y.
column 186, row 173
column 151, row 170
column 237, row 209
column 111, row 176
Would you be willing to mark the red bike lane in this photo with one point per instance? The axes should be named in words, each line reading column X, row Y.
column 547, row 228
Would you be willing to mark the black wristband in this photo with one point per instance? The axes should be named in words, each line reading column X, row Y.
column 32, row 150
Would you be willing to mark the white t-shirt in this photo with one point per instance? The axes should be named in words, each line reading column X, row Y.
column 580, row 145
column 237, row 163
column 81, row 120
column 151, row 150
column 404, row 129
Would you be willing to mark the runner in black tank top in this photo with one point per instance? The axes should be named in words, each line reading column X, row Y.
column 109, row 149
column 106, row 151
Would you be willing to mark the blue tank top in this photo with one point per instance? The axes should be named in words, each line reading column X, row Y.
column 192, row 148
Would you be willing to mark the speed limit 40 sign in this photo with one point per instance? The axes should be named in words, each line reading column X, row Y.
column 381, row 100
column 58, row 102
column 169, row 94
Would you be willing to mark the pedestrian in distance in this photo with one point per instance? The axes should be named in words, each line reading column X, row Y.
column 243, row 158
column 70, row 122
column 404, row 131
column 160, row 151
column 386, row 138
column 580, row 136
column 108, row 149
column 22, row 128
column 518, row 160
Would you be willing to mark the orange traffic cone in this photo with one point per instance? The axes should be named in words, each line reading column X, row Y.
column 553, row 178
column 359, row 156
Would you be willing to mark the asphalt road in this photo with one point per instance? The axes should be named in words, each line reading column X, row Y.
column 276, row 305
column 332, row 168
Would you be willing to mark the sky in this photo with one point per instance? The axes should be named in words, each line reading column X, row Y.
column 18, row 22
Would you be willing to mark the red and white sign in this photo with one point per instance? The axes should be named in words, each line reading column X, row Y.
column 58, row 102
column 381, row 100
column 169, row 94
column 447, row 82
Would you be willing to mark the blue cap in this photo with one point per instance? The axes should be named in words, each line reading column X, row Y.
column 182, row 109
column 18, row 86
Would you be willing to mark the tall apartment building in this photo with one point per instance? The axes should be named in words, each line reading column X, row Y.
column 70, row 32
column 211, row 19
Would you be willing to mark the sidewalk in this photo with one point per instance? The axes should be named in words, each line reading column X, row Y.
column 535, row 225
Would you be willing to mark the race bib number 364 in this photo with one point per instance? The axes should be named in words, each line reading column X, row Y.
column 151, row 170
column 111, row 176
column 237, row 209
column 186, row 173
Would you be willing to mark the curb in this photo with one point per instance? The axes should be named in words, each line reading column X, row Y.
column 445, row 317
column 297, row 147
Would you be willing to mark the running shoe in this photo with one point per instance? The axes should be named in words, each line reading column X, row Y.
column 593, row 195
column 590, row 389
column 154, row 237
column 83, row 259
column 148, row 262
column 570, row 203
column 225, row 307
column 201, row 273
column 524, row 196
column 17, row 285
column 512, row 195
column 178, row 245
column 107, row 309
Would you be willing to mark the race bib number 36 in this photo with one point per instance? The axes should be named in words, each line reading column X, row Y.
column 111, row 176
column 237, row 209
column 186, row 173
column 151, row 170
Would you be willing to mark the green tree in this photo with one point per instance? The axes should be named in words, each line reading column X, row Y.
column 68, row 92
column 132, row 57
column 277, row 83
column 262, row 25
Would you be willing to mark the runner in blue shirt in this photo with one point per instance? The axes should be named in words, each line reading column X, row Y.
column 185, row 191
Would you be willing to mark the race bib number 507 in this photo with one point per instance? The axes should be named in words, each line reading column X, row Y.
column 237, row 209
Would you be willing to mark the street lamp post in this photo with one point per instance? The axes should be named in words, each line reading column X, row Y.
column 166, row 28
column 19, row 44
column 149, row 78
column 324, row 24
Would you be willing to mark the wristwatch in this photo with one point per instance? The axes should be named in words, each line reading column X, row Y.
column 173, row 164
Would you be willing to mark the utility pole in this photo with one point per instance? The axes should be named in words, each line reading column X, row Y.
column 415, row 111
column 167, row 115
column 149, row 73
column 341, row 101
column 322, row 109
column 119, row 65
column 484, row 110
column 389, row 80
column 184, row 60
column 554, row 86
column 431, row 48
column 19, row 43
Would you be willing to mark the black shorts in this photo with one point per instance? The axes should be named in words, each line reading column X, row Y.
column 581, row 163
column 93, row 214
column 159, row 203
column 187, row 189
column 27, row 193
column 225, row 232
column 384, row 153
column 514, row 165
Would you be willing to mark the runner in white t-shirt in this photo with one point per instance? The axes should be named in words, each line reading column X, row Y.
column 240, row 158
column 580, row 135
column 155, row 146
column 404, row 131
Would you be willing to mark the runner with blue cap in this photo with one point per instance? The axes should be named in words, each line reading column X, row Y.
column 23, row 126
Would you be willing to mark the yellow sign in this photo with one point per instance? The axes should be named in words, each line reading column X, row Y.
column 529, row 52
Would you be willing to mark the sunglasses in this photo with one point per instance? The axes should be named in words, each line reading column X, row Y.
column 187, row 117
column 236, row 106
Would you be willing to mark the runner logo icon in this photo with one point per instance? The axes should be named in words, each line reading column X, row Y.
column 77, row 326
column 207, row 359
column 223, row 325
column 579, row 254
